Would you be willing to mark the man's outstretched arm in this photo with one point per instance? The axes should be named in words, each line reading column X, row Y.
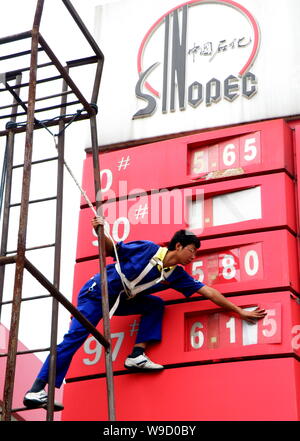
column 218, row 298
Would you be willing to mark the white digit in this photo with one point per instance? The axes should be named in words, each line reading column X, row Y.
column 109, row 179
column 251, row 270
column 229, row 270
column 229, row 155
column 197, row 337
column 296, row 340
column 267, row 321
column 115, row 230
column 231, row 326
column 92, row 346
column 199, row 165
column 196, row 270
column 120, row 337
column 251, row 148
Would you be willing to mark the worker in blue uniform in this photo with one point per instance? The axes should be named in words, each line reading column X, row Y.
column 142, row 269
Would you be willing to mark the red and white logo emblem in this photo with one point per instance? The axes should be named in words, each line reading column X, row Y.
column 198, row 52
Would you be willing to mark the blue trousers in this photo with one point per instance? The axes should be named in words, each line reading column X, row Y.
column 89, row 304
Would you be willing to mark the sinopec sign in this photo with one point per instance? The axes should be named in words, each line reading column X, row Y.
column 186, row 60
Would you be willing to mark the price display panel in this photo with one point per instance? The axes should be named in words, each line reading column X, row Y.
column 202, row 332
column 230, row 207
column 253, row 148
column 244, row 263
column 270, row 385
column 248, row 262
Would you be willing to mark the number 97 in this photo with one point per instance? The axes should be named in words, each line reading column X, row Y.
column 93, row 347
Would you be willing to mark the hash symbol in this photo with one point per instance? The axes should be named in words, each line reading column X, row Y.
column 141, row 211
column 124, row 163
column 134, row 327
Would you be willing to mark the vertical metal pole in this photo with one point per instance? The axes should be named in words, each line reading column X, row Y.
column 102, row 264
column 7, row 197
column 3, row 175
column 6, row 209
column 20, row 260
column 97, row 82
column 57, row 260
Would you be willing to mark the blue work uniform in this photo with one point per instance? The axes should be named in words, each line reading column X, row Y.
column 133, row 257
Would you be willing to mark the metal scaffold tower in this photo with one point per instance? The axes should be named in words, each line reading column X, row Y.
column 11, row 83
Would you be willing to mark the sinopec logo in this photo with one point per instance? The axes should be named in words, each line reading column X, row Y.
column 197, row 54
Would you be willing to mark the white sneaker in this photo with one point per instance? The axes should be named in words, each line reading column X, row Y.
column 33, row 400
column 142, row 362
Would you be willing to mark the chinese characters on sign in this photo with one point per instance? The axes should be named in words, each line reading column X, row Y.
column 211, row 49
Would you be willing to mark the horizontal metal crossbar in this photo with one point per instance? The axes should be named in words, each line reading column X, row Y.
column 16, row 37
column 49, row 123
column 29, row 351
column 44, row 109
column 39, row 247
column 18, row 54
column 6, row 260
column 35, row 201
column 43, row 80
column 25, row 299
column 40, row 161
column 11, row 75
column 72, row 63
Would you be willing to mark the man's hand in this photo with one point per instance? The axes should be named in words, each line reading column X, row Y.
column 215, row 296
column 252, row 316
column 109, row 247
column 96, row 221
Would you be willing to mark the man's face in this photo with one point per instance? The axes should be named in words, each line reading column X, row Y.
column 186, row 254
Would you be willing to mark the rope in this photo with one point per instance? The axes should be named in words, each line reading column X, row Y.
column 83, row 192
column 105, row 225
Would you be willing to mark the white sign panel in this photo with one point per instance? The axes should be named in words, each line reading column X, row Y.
column 172, row 66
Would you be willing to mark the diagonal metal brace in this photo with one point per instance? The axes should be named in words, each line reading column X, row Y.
column 65, row 302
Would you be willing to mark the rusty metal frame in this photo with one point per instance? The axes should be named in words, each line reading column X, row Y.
column 19, row 259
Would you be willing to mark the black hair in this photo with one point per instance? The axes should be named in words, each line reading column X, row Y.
column 185, row 238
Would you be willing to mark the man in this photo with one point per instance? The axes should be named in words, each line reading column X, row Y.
column 145, row 268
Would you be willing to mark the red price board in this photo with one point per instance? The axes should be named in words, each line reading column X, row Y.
column 248, row 262
column 202, row 332
column 216, row 330
column 244, row 205
column 209, row 155
column 238, row 152
column 209, row 392
column 90, row 359
column 244, row 263
column 231, row 265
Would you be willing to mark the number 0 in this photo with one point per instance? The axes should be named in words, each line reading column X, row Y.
column 109, row 179
column 115, row 230
column 251, row 263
